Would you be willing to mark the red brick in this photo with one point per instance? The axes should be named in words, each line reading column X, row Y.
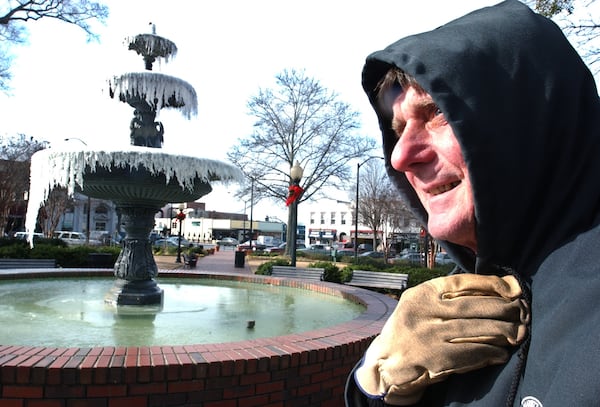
column 45, row 403
column 128, row 402
column 26, row 392
column 148, row 388
column 270, row 387
column 258, row 401
column 255, row 378
column 13, row 403
column 107, row 391
column 238, row 392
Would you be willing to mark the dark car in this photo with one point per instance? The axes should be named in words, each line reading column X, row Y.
column 281, row 248
column 255, row 245
column 171, row 241
column 344, row 252
column 228, row 241
column 365, row 247
column 374, row 255
column 413, row 258
column 317, row 249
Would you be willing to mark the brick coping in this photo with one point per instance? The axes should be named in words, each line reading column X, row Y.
column 63, row 365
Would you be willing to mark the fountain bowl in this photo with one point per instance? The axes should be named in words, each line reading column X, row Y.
column 304, row 368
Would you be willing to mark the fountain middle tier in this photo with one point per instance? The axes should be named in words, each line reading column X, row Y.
column 139, row 181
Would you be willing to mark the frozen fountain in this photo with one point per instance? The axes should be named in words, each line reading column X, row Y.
column 178, row 359
column 140, row 180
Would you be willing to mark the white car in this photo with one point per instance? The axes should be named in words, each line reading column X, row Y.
column 75, row 238
column 23, row 235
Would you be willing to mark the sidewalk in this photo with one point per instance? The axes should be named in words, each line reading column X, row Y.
column 221, row 261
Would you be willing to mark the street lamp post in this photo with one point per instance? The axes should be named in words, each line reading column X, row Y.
column 296, row 175
column 251, row 211
column 358, row 165
column 180, row 217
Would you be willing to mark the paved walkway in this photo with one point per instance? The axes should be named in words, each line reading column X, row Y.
column 221, row 261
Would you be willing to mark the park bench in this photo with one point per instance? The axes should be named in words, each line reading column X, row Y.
column 378, row 279
column 309, row 273
column 27, row 263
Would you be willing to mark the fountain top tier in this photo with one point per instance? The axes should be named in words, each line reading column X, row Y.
column 151, row 47
column 148, row 92
column 137, row 175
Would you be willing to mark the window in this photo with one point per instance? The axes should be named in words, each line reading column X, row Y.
column 322, row 218
column 332, row 218
column 343, row 218
column 101, row 209
column 312, row 218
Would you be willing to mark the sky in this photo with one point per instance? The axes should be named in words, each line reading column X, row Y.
column 227, row 50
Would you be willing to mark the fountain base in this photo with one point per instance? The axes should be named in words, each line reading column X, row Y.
column 137, row 292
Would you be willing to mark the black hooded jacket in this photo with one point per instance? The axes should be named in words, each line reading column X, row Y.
column 526, row 112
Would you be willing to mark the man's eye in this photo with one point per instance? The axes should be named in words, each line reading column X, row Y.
column 437, row 111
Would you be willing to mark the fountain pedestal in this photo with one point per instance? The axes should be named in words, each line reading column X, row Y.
column 138, row 195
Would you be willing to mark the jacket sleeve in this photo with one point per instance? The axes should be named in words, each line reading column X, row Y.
column 354, row 397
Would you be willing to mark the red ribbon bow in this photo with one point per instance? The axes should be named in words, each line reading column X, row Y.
column 295, row 193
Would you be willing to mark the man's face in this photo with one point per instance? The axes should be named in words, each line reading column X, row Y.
column 429, row 154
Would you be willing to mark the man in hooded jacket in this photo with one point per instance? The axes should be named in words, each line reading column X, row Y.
column 525, row 113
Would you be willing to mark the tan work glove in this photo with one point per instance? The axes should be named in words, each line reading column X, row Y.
column 447, row 325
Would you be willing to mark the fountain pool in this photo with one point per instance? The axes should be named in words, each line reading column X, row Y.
column 72, row 312
column 307, row 368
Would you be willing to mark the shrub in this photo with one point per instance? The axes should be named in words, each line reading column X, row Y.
column 331, row 272
column 48, row 249
column 417, row 275
column 267, row 267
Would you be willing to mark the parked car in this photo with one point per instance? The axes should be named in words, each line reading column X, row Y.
column 365, row 247
column 228, row 241
column 317, row 249
column 344, row 252
column 372, row 254
column 23, row 235
column 413, row 258
column 281, row 248
column 443, row 258
column 171, row 241
column 255, row 245
column 75, row 238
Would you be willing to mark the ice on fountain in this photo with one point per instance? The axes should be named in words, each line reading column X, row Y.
column 152, row 45
column 156, row 89
column 66, row 168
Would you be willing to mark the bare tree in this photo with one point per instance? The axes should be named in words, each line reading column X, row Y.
column 15, row 156
column 54, row 207
column 381, row 207
column 374, row 192
column 15, row 13
column 578, row 23
column 298, row 121
column 550, row 8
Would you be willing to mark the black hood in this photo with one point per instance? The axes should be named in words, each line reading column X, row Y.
column 525, row 110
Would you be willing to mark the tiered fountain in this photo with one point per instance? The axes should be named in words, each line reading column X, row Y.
column 139, row 180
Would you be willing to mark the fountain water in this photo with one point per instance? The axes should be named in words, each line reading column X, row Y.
column 139, row 180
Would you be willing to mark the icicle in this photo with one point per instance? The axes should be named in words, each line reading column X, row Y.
column 65, row 168
column 156, row 89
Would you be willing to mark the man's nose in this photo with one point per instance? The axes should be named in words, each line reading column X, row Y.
column 412, row 147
